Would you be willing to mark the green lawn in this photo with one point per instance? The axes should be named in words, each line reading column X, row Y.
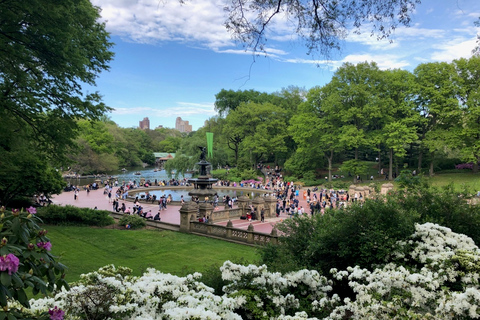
column 84, row 249
column 460, row 179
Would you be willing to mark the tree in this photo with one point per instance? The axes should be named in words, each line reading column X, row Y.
column 320, row 23
column 467, row 133
column 24, row 171
column 315, row 128
column 229, row 100
column 170, row 144
column 354, row 96
column 354, row 167
column 49, row 50
column 396, row 126
column 262, row 127
column 437, row 103
column 397, row 135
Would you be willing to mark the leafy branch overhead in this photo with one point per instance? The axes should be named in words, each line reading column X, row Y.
column 322, row 24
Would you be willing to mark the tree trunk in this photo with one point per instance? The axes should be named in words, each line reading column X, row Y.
column 475, row 165
column 390, row 165
column 430, row 171
column 330, row 159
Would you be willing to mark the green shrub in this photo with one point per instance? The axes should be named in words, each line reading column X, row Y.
column 443, row 206
column 250, row 174
column 74, row 216
column 358, row 235
column 337, row 184
column 135, row 221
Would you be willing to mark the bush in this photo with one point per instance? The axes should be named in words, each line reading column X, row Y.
column 26, row 263
column 337, row 184
column 70, row 215
column 443, row 206
column 357, row 235
column 135, row 222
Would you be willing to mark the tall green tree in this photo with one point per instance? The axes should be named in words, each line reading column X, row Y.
column 315, row 128
column 437, row 103
column 262, row 128
column 354, row 94
column 397, row 129
column 50, row 49
column 467, row 133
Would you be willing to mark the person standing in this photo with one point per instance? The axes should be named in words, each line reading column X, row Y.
column 262, row 215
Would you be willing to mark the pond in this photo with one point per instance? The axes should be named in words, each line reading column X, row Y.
column 131, row 174
column 177, row 193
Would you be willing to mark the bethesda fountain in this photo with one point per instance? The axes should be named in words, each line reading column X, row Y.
column 203, row 184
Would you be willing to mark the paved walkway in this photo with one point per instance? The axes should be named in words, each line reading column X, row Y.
column 96, row 198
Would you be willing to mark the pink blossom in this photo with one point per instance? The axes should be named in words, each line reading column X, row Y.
column 31, row 210
column 56, row 313
column 9, row 263
column 45, row 245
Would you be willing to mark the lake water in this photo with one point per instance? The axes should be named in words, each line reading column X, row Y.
column 129, row 175
column 177, row 193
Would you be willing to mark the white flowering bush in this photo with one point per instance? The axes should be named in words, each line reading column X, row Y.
column 436, row 276
column 111, row 293
column 265, row 295
column 433, row 275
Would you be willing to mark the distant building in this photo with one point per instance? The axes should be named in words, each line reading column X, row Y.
column 162, row 157
column 144, row 124
column 183, row 126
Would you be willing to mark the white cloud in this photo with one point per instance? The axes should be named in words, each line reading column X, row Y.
column 152, row 21
column 453, row 49
column 182, row 109
column 384, row 62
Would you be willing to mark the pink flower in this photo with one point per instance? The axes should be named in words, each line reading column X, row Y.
column 31, row 210
column 9, row 263
column 56, row 313
column 45, row 245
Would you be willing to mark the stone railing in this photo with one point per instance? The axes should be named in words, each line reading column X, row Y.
column 226, row 214
column 229, row 233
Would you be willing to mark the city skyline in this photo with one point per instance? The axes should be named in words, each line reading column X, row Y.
column 180, row 125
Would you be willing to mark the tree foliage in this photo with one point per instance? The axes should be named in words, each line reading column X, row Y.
column 322, row 24
column 49, row 51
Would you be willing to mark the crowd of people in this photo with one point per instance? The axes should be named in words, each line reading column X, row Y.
column 287, row 193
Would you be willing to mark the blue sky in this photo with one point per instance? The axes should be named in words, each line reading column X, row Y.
column 171, row 60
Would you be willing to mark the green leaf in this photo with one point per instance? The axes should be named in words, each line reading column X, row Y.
column 3, row 315
column 18, row 282
column 22, row 297
column 5, row 279
column 3, row 296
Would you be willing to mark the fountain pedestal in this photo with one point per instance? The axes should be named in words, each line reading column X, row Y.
column 203, row 184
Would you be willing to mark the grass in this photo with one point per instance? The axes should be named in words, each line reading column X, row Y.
column 84, row 249
column 459, row 179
